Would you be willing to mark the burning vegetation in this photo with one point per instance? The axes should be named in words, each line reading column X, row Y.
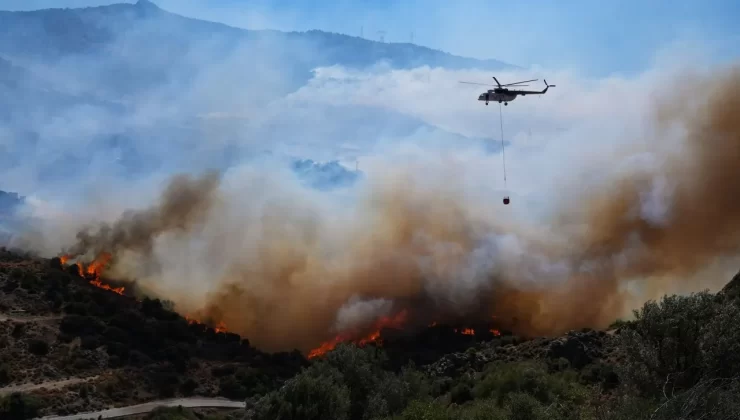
column 373, row 335
column 399, row 323
column 93, row 272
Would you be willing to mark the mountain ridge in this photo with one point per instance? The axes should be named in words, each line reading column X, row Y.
column 93, row 29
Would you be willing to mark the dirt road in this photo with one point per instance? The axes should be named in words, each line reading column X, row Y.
column 195, row 402
column 47, row 385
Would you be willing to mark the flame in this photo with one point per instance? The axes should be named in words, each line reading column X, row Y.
column 98, row 283
column 94, row 270
column 219, row 328
column 465, row 331
column 96, row 267
column 374, row 337
column 495, row 332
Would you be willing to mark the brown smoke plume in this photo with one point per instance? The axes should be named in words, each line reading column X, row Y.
column 288, row 272
column 184, row 203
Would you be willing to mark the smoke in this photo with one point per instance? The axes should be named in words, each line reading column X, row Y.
column 183, row 204
column 288, row 266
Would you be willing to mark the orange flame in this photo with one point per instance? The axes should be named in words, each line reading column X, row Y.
column 96, row 267
column 495, row 332
column 98, row 283
column 95, row 270
column 374, row 337
column 465, row 331
column 219, row 328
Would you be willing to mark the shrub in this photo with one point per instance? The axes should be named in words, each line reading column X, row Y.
column 313, row 394
column 4, row 375
column 532, row 378
column 38, row 347
column 81, row 325
column 188, row 387
column 461, row 393
column 76, row 308
column 17, row 406
column 90, row 342
column 230, row 387
column 18, row 331
column 171, row 413
column 423, row 410
column 523, row 406
column 360, row 370
column 677, row 342
column 713, row 399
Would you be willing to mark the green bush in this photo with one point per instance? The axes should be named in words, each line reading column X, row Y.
column 461, row 393
column 679, row 341
column 500, row 380
column 523, row 406
column 425, row 410
column 317, row 393
column 17, row 406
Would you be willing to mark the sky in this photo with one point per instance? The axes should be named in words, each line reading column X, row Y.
column 594, row 38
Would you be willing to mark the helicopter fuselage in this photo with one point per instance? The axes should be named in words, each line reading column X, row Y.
column 493, row 96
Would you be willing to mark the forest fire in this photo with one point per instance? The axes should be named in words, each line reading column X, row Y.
column 93, row 271
column 398, row 322
column 374, row 337
column 219, row 328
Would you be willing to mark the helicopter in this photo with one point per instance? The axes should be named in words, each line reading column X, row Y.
column 502, row 94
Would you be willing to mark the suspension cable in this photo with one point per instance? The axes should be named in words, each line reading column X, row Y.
column 503, row 151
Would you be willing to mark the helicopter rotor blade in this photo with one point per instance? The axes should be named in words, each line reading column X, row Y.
column 473, row 83
column 523, row 81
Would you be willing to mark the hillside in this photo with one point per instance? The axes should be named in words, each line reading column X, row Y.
column 63, row 333
column 53, row 33
column 78, row 343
